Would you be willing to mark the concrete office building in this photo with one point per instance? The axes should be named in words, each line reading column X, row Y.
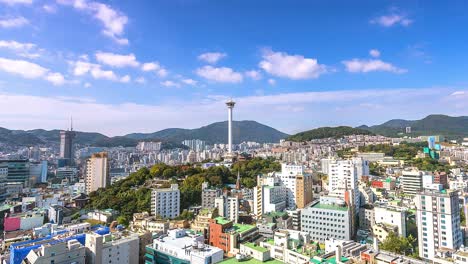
column 391, row 216
column 18, row 171
column 412, row 181
column 166, row 202
column 97, row 172
column 327, row 218
column 3, row 180
column 70, row 251
column 438, row 221
column 112, row 248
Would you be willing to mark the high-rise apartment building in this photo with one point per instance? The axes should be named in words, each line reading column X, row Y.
column 195, row 144
column 228, row 207
column 438, row 221
column 209, row 195
column 66, row 145
column 149, row 146
column 269, row 196
column 298, row 183
column 343, row 175
column 166, row 202
column 97, row 172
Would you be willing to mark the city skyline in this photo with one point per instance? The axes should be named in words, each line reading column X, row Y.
column 159, row 65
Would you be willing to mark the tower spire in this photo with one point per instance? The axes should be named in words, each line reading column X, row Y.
column 238, row 183
column 71, row 123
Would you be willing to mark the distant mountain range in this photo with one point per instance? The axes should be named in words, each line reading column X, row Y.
column 171, row 137
column 451, row 127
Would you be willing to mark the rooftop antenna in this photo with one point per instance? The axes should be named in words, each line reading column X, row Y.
column 71, row 123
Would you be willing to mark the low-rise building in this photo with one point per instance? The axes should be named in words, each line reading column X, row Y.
column 118, row 247
column 182, row 246
column 70, row 251
column 227, row 235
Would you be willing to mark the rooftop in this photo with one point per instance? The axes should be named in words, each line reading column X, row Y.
column 242, row 228
column 331, row 260
column 329, row 207
column 250, row 261
column 255, row 247
column 221, row 220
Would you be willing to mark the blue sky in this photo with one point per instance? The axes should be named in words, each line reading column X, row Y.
column 127, row 66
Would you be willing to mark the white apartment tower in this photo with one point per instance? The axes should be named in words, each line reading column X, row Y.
column 438, row 221
column 97, row 172
column 228, row 207
column 166, row 202
column 343, row 175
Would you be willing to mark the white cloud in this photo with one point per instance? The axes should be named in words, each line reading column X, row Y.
column 150, row 66
column 392, row 20
column 140, row 80
column 291, row 66
column 189, row 81
column 222, row 74
column 154, row 67
column 23, row 68
column 27, row 50
column 271, row 81
column 113, row 21
column 82, row 67
column 87, row 85
column 55, row 78
column 374, row 53
column 30, row 70
column 211, row 57
column 170, row 84
column 162, row 73
column 50, row 8
column 364, row 65
column 98, row 73
column 117, row 60
column 458, row 93
column 15, row 2
column 253, row 74
column 125, row 79
column 13, row 22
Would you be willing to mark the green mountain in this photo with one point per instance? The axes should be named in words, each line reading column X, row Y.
column 327, row 132
column 217, row 133
column 451, row 127
column 171, row 138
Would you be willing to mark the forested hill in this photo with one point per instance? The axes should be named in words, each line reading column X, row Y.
column 327, row 132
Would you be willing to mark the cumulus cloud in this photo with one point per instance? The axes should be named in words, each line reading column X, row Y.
column 154, row 67
column 189, row 81
column 27, row 50
column 30, row 70
column 82, row 67
column 125, row 79
column 272, row 82
column 16, row 2
column 170, row 84
column 253, row 74
column 55, row 78
column 87, row 85
column 117, row 60
column 364, row 65
column 374, row 53
column 112, row 20
column 13, row 22
column 294, row 67
column 211, row 57
column 221, row 74
column 392, row 20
